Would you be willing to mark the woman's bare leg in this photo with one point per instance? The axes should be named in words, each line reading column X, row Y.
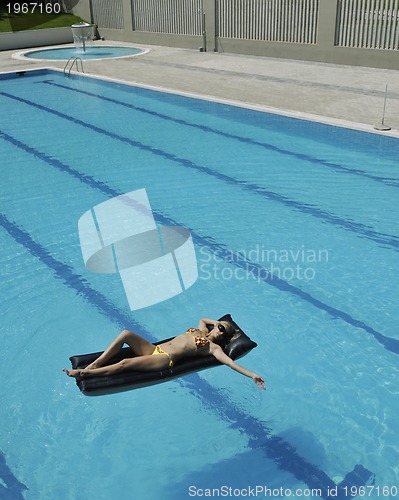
column 145, row 363
column 138, row 345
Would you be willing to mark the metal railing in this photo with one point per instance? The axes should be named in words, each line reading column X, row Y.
column 275, row 20
column 107, row 13
column 372, row 24
column 70, row 63
column 182, row 17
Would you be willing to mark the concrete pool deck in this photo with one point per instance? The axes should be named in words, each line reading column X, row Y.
column 344, row 95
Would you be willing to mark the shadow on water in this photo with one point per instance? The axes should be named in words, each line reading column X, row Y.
column 277, row 448
column 10, row 487
column 305, row 443
column 240, row 473
column 248, row 474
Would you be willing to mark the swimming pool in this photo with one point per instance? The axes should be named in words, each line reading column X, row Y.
column 295, row 229
column 91, row 52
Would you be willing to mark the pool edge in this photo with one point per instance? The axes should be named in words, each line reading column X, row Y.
column 20, row 55
column 299, row 115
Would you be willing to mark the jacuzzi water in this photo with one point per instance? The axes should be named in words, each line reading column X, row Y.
column 91, row 52
column 295, row 229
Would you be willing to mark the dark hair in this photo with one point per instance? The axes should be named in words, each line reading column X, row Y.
column 230, row 331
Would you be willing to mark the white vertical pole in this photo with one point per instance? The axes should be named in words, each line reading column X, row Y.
column 382, row 125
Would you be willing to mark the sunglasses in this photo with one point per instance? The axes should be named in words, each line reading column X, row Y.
column 221, row 329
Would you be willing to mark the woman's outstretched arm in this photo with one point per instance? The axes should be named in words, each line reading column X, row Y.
column 218, row 353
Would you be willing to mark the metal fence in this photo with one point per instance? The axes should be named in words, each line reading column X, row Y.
column 181, row 17
column 108, row 14
column 370, row 24
column 269, row 20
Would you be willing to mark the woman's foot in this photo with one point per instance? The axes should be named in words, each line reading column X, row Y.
column 78, row 374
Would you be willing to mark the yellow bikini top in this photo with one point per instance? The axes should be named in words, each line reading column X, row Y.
column 199, row 340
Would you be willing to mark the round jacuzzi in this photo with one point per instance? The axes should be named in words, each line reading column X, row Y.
column 91, row 52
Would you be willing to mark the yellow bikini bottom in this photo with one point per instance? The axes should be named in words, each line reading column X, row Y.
column 159, row 350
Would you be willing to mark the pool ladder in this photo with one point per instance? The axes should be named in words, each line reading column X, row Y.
column 69, row 65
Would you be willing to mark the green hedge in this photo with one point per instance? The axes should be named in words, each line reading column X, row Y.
column 34, row 21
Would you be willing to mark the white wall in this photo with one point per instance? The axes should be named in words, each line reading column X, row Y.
column 35, row 38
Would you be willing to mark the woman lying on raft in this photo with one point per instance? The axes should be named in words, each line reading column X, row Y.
column 195, row 342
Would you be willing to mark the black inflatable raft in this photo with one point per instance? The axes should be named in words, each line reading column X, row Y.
column 239, row 345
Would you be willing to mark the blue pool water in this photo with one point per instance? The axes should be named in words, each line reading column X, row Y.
column 295, row 230
column 92, row 52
